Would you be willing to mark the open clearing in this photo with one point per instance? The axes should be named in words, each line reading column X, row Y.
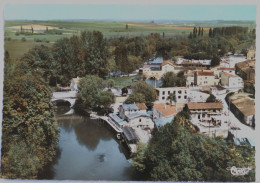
column 34, row 26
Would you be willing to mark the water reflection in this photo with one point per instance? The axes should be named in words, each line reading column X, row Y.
column 89, row 151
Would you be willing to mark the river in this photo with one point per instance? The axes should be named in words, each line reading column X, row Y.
column 89, row 151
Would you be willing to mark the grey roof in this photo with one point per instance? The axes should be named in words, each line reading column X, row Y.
column 159, row 122
column 251, row 142
column 117, row 119
column 128, row 107
column 236, row 141
column 129, row 134
column 136, row 114
column 156, row 60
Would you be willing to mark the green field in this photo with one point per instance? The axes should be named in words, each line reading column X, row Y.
column 17, row 48
column 121, row 82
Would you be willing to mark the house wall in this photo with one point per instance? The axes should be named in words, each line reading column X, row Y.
column 205, row 80
column 73, row 86
column 141, row 122
column 205, row 114
column 181, row 94
column 157, row 114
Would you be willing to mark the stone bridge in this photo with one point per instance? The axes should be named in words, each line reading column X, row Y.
column 69, row 96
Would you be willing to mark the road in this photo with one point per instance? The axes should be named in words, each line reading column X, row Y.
column 245, row 131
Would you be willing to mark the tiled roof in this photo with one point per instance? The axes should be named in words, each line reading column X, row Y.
column 167, row 62
column 204, row 105
column 166, row 110
column 141, row 106
column 245, row 105
column 226, row 68
column 246, row 64
column 229, row 75
column 205, row 73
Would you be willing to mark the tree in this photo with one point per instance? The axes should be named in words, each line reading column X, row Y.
column 169, row 79
column 110, row 83
column 135, row 98
column 142, row 92
column 177, row 153
column 215, row 60
column 171, row 97
column 211, row 98
column 210, row 32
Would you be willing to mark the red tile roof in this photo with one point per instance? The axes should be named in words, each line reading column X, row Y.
column 205, row 73
column 167, row 62
column 225, row 68
column 141, row 106
column 166, row 110
column 229, row 75
column 204, row 105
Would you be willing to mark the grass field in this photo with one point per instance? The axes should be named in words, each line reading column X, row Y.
column 67, row 29
column 17, row 48
column 121, row 82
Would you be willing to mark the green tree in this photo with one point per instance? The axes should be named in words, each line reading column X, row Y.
column 110, row 83
column 171, row 97
column 135, row 98
column 170, row 79
column 177, row 153
column 211, row 98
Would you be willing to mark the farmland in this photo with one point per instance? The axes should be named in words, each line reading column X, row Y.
column 66, row 29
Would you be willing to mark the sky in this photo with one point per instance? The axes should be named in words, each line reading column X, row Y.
column 128, row 12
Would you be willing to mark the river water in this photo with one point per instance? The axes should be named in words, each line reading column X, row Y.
column 89, row 151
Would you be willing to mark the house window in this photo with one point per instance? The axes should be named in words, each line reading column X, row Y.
column 169, row 92
column 179, row 91
column 140, row 120
column 179, row 97
column 214, row 110
column 174, row 92
column 205, row 77
column 203, row 115
column 163, row 92
column 185, row 96
column 163, row 98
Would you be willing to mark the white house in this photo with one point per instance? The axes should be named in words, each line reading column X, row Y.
column 231, row 81
column 139, row 120
column 74, row 83
column 181, row 93
column 224, row 69
column 127, row 109
column 205, row 78
column 206, row 62
column 164, row 111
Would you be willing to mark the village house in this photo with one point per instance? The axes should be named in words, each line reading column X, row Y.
column 139, row 120
column 206, row 112
column 165, row 66
column 246, row 70
column 192, row 62
column 164, row 111
column 127, row 109
column 74, row 84
column 244, row 110
column 224, row 69
column 182, row 94
column 189, row 76
column 205, row 78
column 208, row 118
column 230, row 61
column 231, row 81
